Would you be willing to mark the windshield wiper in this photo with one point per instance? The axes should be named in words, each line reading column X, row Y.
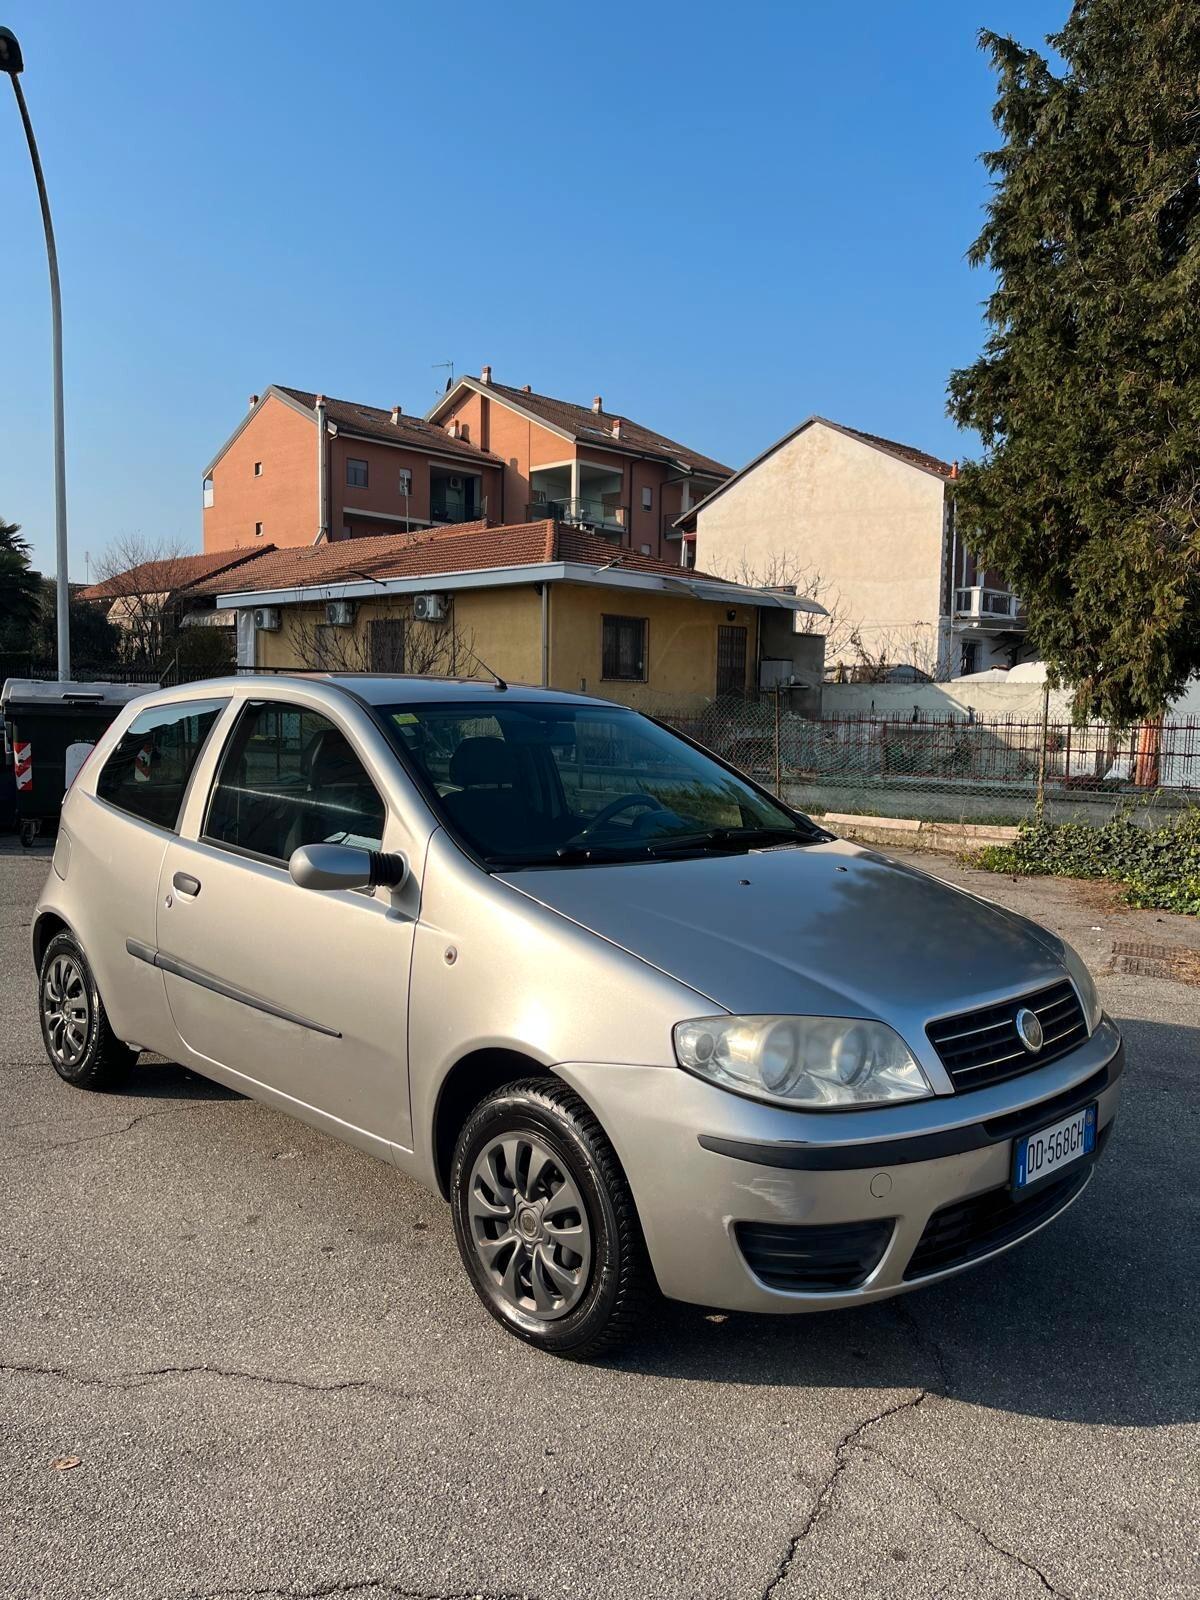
column 733, row 839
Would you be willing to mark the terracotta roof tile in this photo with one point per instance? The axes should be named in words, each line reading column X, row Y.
column 172, row 574
column 595, row 428
column 460, row 547
column 902, row 452
column 375, row 423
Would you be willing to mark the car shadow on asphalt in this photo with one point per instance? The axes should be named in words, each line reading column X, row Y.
column 1092, row 1320
column 156, row 1078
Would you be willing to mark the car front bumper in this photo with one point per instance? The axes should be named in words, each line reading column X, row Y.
column 702, row 1161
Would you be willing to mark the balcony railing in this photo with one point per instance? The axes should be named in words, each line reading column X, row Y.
column 586, row 513
column 442, row 514
column 988, row 607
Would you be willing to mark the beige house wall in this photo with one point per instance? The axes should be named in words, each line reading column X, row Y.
column 503, row 627
column 499, row 626
column 868, row 524
column 681, row 644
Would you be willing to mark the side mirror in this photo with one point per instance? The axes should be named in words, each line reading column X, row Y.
column 344, row 866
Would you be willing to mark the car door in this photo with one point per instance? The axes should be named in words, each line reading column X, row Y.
column 303, row 995
column 117, row 822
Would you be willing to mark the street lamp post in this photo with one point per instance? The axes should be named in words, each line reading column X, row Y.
column 12, row 62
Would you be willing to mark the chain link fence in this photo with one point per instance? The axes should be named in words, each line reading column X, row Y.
column 954, row 768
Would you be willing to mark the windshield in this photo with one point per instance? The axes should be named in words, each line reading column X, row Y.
column 539, row 784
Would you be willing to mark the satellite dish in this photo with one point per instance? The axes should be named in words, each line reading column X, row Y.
column 449, row 385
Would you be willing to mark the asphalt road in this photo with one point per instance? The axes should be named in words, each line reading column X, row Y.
column 277, row 1382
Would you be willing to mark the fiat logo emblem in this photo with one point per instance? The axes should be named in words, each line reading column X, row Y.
column 1029, row 1030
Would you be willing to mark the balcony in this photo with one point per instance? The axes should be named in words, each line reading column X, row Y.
column 602, row 516
column 441, row 512
column 989, row 610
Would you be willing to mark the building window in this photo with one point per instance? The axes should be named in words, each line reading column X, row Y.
column 356, row 474
column 208, row 491
column 970, row 657
column 647, row 499
column 258, row 530
column 405, row 482
column 385, row 644
column 623, row 650
column 731, row 660
column 258, row 469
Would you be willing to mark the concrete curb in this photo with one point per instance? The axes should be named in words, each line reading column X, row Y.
column 907, row 833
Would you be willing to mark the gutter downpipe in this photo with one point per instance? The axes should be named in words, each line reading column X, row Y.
column 952, row 511
column 322, row 473
column 545, row 592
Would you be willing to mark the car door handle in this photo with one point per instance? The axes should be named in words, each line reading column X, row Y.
column 186, row 884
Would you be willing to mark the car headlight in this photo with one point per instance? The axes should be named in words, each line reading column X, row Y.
column 816, row 1062
column 1083, row 981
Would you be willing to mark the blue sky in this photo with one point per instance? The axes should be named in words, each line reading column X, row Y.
column 720, row 218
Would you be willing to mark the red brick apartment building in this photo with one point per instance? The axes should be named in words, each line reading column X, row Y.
column 301, row 468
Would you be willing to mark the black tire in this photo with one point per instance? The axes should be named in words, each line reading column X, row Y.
column 79, row 1040
column 615, row 1283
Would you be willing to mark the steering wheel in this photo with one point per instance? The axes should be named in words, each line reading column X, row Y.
column 625, row 802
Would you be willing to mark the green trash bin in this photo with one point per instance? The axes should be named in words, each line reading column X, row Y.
column 48, row 730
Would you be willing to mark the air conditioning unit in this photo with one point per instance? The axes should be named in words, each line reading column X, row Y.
column 429, row 607
column 266, row 619
column 455, row 483
column 339, row 613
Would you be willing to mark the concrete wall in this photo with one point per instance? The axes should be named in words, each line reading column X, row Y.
column 870, row 525
column 958, row 698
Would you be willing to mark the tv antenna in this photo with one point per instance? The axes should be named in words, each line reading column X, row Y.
column 450, row 379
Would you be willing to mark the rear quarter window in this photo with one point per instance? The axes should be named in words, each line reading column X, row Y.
column 147, row 773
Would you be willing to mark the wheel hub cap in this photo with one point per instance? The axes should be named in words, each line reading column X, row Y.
column 529, row 1228
column 66, row 1009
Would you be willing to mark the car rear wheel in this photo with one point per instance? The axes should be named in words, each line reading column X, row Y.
column 81, row 1045
column 546, row 1223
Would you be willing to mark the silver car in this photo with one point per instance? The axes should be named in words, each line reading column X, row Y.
column 643, row 1026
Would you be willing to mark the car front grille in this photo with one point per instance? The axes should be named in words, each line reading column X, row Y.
column 972, row 1228
column 981, row 1047
column 815, row 1258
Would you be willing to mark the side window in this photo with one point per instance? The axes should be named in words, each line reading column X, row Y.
column 289, row 777
column 149, row 769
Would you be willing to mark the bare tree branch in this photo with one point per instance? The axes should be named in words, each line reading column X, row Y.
column 781, row 571
column 141, row 579
column 389, row 639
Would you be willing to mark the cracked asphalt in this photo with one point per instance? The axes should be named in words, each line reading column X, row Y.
column 262, row 1352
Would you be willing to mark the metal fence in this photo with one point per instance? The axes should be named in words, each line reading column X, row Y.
column 972, row 769
column 15, row 665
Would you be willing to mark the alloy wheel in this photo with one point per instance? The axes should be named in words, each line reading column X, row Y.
column 66, row 1007
column 529, row 1227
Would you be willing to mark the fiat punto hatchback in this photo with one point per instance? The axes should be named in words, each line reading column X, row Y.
column 639, row 1023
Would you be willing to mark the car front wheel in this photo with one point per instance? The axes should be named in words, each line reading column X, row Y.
column 546, row 1223
column 79, row 1040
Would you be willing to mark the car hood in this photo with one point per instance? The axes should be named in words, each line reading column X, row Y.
column 826, row 929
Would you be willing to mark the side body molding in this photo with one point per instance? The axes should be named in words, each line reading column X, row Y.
column 182, row 969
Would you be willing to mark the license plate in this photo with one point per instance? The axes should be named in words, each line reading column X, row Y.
column 1050, row 1149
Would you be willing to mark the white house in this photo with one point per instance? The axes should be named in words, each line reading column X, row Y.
column 875, row 521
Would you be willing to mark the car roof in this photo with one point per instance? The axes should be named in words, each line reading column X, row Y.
column 387, row 688
column 378, row 688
